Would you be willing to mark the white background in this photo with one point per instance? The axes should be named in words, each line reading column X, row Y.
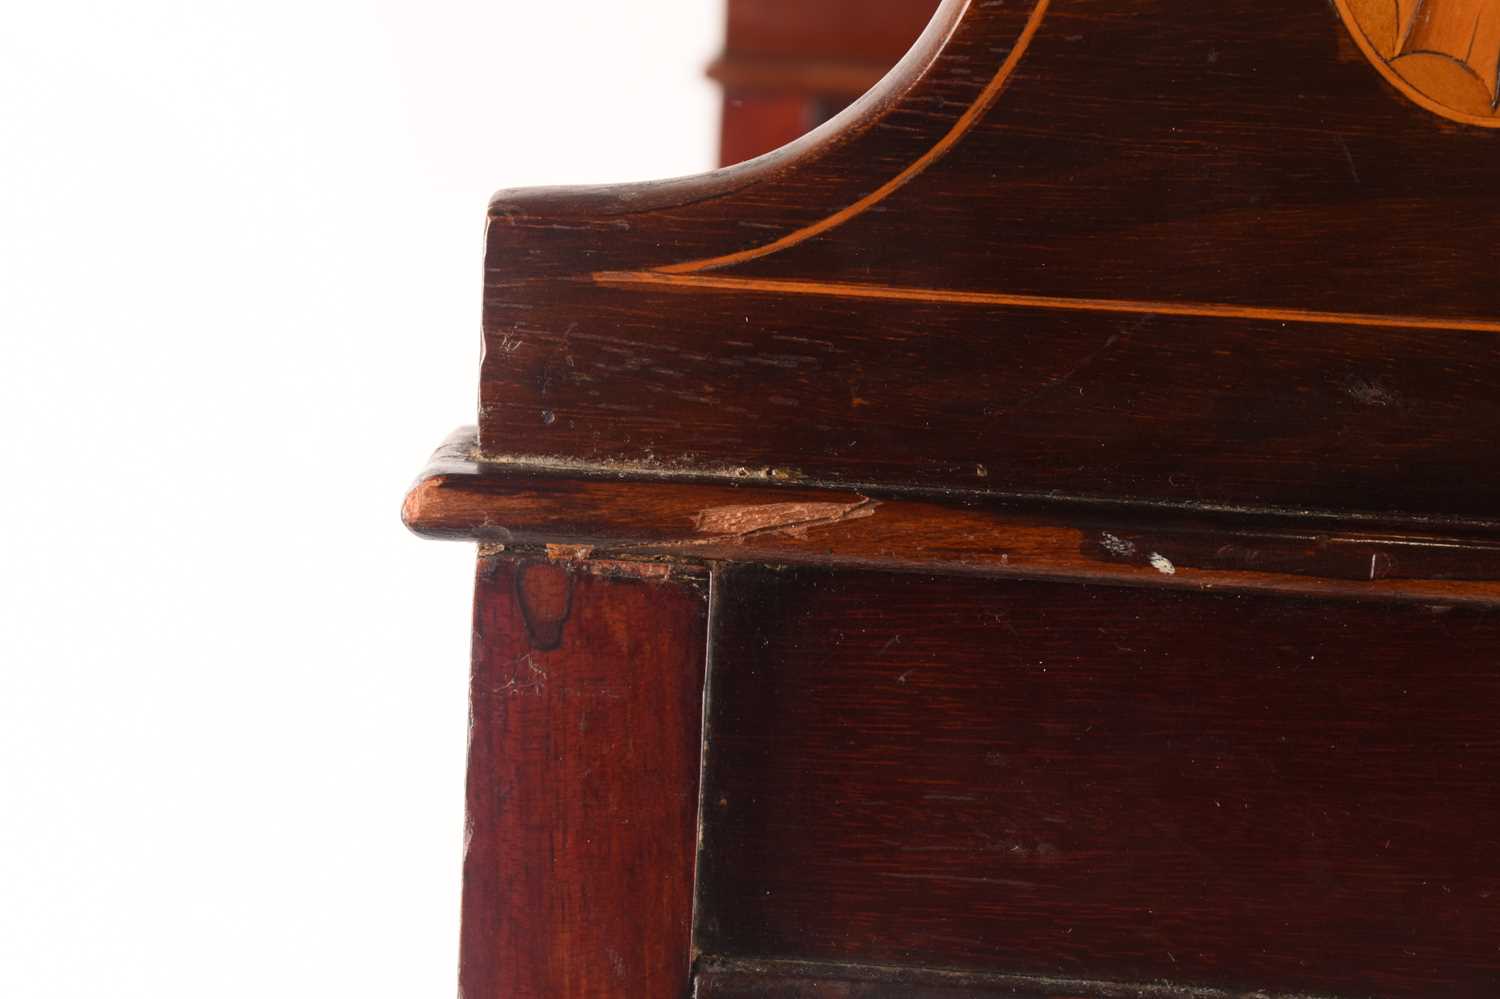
column 239, row 302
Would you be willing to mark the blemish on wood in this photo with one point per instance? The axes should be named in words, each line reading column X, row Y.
column 628, row 568
column 742, row 520
column 569, row 553
column 1370, row 392
column 544, row 593
column 738, row 978
column 605, row 515
column 686, row 466
column 527, row 678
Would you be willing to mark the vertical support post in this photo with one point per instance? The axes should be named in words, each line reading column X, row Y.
column 583, row 781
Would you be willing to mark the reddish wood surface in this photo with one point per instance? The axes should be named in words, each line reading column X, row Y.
column 1186, row 297
column 583, row 781
column 790, row 65
column 460, row 498
column 1184, row 252
column 1104, row 783
column 753, row 123
column 869, row 31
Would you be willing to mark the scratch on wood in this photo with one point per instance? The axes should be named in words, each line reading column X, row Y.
column 1349, row 158
column 1370, row 392
column 741, row 977
column 743, row 521
column 531, row 680
column 624, row 567
column 683, row 467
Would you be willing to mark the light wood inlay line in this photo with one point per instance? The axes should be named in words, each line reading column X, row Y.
column 834, row 289
column 965, row 122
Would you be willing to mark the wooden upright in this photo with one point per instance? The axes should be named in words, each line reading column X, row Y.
column 1037, row 535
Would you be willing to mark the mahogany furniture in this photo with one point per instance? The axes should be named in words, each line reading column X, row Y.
column 1037, row 535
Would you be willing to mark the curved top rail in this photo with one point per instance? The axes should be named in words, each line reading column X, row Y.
column 933, row 63
column 1159, row 251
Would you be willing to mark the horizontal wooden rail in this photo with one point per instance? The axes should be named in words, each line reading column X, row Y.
column 748, row 979
column 604, row 513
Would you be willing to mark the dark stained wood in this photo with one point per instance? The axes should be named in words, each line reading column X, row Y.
column 1175, row 252
column 755, row 521
column 1103, row 783
column 1159, row 409
column 583, row 781
column 720, row 979
column 1156, row 344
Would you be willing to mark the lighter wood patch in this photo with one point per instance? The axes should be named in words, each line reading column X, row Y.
column 744, row 520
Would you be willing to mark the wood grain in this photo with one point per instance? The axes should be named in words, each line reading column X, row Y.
column 1178, row 253
column 782, row 979
column 1234, row 792
column 757, row 521
column 1149, row 351
column 583, row 782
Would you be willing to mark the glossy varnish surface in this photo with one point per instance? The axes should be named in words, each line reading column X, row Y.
column 1188, row 308
column 718, row 978
column 746, row 521
column 1100, row 783
column 1173, row 253
column 583, row 781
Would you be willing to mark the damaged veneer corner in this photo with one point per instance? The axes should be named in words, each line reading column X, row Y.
column 580, row 558
column 741, row 521
column 716, row 525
